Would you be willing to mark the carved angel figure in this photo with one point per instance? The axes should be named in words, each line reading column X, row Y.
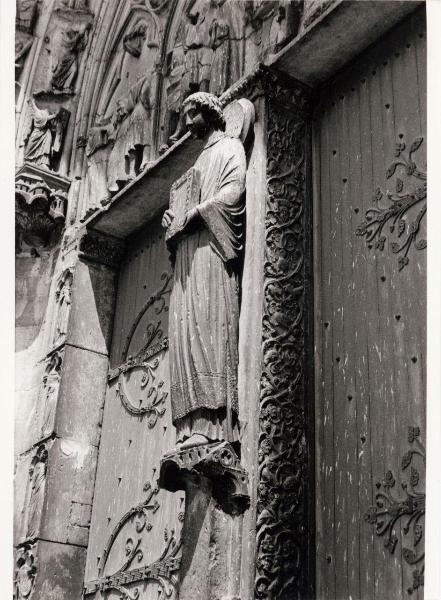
column 204, row 305
column 40, row 145
column 66, row 68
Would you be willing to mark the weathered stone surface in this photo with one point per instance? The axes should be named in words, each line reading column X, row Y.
column 59, row 571
column 94, row 287
column 79, row 409
column 70, row 476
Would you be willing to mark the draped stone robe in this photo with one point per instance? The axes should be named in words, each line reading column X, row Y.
column 204, row 306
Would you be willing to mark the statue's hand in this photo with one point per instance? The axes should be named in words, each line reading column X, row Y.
column 167, row 218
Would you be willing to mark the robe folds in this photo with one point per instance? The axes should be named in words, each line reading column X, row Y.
column 204, row 304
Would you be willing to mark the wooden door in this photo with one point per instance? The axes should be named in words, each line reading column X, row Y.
column 370, row 197
column 134, row 546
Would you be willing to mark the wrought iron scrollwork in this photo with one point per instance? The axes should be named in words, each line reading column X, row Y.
column 146, row 359
column 390, row 512
column 376, row 217
column 163, row 571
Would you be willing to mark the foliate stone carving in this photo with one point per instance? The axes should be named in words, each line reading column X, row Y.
column 49, row 392
column 37, row 483
column 40, row 206
column 25, row 571
column 101, row 248
column 390, row 512
column 219, row 463
column 404, row 204
column 63, row 300
column 284, row 544
column 45, row 140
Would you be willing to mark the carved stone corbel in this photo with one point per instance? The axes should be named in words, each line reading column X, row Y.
column 25, row 571
column 219, row 463
column 100, row 248
column 40, row 206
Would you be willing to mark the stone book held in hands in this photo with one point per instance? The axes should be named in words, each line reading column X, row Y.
column 184, row 195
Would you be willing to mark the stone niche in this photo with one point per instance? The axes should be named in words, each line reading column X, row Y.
column 40, row 208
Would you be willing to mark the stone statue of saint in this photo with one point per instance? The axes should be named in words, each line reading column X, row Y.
column 39, row 147
column 66, row 67
column 204, row 304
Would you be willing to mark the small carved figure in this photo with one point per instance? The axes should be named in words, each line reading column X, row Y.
column 37, row 479
column 204, row 305
column 63, row 301
column 40, row 145
column 25, row 574
column 132, row 130
column 65, row 70
column 51, row 382
column 133, row 40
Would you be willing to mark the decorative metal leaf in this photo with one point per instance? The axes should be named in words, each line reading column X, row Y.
column 401, row 227
column 414, row 477
column 391, row 170
column 421, row 244
column 409, row 556
column 379, row 244
column 418, row 534
column 395, row 247
column 400, row 185
column 402, row 262
column 406, row 460
column 416, row 144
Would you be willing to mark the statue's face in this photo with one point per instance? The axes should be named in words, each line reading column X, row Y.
column 195, row 121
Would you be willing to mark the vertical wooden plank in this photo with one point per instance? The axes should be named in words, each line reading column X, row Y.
column 382, row 334
column 326, row 447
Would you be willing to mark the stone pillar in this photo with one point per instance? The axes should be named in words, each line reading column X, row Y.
column 53, row 512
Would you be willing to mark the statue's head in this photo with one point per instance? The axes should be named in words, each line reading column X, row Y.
column 203, row 111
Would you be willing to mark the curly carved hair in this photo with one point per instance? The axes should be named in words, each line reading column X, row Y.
column 210, row 106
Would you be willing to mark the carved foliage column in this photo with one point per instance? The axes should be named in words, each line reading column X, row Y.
column 284, row 561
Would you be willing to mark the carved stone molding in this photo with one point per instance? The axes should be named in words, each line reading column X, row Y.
column 285, row 496
column 219, row 463
column 402, row 204
column 390, row 511
column 100, row 248
column 25, row 571
column 40, row 205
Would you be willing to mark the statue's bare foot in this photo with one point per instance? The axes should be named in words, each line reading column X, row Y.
column 197, row 439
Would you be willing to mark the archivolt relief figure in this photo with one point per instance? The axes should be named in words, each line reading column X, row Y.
column 37, row 480
column 65, row 69
column 63, row 301
column 204, row 304
column 132, row 132
column 225, row 35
